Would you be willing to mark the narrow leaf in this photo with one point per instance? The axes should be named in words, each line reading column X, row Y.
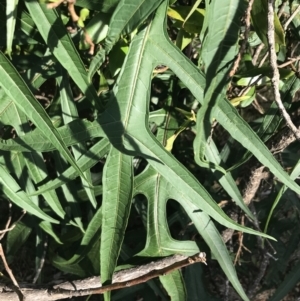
column 13, row 191
column 11, row 14
column 212, row 237
column 117, row 195
column 223, row 111
column 16, row 89
column 54, row 33
column 174, row 285
column 126, row 17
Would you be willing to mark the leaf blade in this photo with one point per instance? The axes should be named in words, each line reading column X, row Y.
column 15, row 87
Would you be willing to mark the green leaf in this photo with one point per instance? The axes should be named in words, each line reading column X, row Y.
column 85, row 162
column 259, row 20
column 97, row 28
column 174, row 285
column 273, row 117
column 126, row 17
column 68, row 191
column 14, row 86
column 16, row 238
column 117, row 56
column 70, row 113
column 72, row 133
column 227, row 180
column 29, row 28
column 96, row 62
column 83, row 15
column 89, row 238
column 103, row 6
column 124, row 120
column 218, row 53
column 194, row 8
column 164, row 51
column 117, row 195
column 14, row 192
column 159, row 240
column 187, row 17
column 11, row 14
column 55, row 35
column 183, row 39
column 294, row 175
column 266, row 71
column 212, row 237
column 33, row 160
column 195, row 286
column 241, row 131
column 48, row 228
column 290, row 280
column 157, row 191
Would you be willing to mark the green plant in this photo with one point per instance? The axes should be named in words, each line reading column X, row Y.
column 119, row 130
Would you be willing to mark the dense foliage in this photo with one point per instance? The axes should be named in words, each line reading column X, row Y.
column 139, row 129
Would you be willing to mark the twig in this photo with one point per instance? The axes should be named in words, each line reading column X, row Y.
column 262, row 269
column 256, row 174
column 263, row 60
column 226, row 290
column 282, row 7
column 153, row 274
column 8, row 270
column 16, row 287
column 54, row 4
column 276, row 144
column 290, row 19
column 121, row 279
column 7, row 228
column 275, row 77
column 257, row 53
column 227, row 234
column 289, row 62
column 71, row 9
column 42, row 261
column 241, row 244
column 281, row 140
column 261, row 46
column 294, row 49
column 160, row 69
column 245, row 41
column 89, row 41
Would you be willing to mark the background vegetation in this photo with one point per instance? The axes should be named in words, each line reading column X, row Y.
column 135, row 129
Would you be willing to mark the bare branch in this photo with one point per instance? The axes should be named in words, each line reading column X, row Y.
column 262, row 270
column 245, row 41
column 121, row 279
column 291, row 18
column 42, row 261
column 7, row 228
column 16, row 287
column 275, row 77
column 257, row 53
